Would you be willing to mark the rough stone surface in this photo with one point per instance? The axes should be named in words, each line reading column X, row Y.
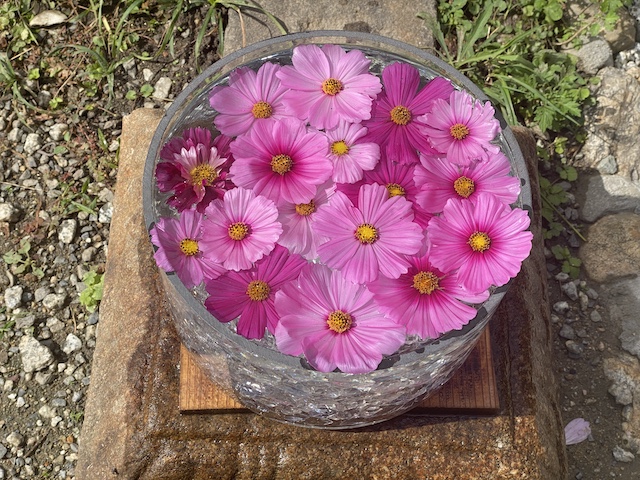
column 615, row 125
column 602, row 195
column 132, row 424
column 624, row 373
column 594, row 55
column 391, row 18
column 612, row 250
column 623, row 310
column 34, row 355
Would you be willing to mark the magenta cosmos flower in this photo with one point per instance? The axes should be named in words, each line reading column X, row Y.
column 439, row 180
column 240, row 228
column 334, row 323
column 394, row 114
column 328, row 84
column 297, row 234
column 373, row 238
column 250, row 293
column 426, row 300
column 484, row 239
column 461, row 127
column 180, row 248
column 193, row 170
column 282, row 161
column 349, row 153
column 250, row 97
column 398, row 179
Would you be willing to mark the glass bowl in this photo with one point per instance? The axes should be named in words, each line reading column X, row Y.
column 283, row 387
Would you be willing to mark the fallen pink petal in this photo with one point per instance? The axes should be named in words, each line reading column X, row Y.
column 576, row 431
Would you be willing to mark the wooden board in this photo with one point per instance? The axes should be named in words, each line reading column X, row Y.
column 472, row 389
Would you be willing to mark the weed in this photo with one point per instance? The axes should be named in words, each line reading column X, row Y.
column 73, row 200
column 76, row 416
column 92, row 294
column 6, row 327
column 570, row 264
column 20, row 261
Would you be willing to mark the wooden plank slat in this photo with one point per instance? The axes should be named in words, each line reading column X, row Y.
column 471, row 390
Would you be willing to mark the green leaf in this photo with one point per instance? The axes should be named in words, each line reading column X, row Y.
column 11, row 258
column 146, row 90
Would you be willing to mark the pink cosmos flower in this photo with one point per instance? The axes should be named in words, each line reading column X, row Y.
column 484, row 239
column 439, row 180
column 373, row 238
column 334, row 323
column 461, row 127
column 398, row 178
column 240, row 228
column 425, row 299
column 282, row 161
column 297, row 234
column 193, row 170
column 250, row 293
column 181, row 250
column 251, row 97
column 394, row 113
column 349, row 153
column 328, row 84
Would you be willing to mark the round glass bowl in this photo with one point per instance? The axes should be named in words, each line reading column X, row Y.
column 284, row 387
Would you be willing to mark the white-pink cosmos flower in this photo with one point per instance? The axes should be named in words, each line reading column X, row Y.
column 349, row 153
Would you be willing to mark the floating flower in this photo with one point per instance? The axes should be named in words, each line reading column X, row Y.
column 461, row 127
column 394, row 113
column 349, row 153
column 193, row 170
column 328, row 84
column 428, row 301
column 250, row 293
column 181, row 250
column 576, row 431
column 334, row 323
column 373, row 238
column 240, row 228
column 484, row 239
column 282, row 161
column 297, row 234
column 440, row 180
column 398, row 179
column 251, row 97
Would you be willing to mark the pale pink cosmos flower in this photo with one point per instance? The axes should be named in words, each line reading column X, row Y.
column 240, row 228
column 461, row 127
column 372, row 239
column 350, row 154
column 334, row 323
column 576, row 431
column 282, row 161
column 251, row 97
column 328, row 84
column 393, row 124
column 484, row 239
column 398, row 179
column 439, row 180
column 180, row 248
column 193, row 170
column 297, row 234
column 428, row 301
column 250, row 294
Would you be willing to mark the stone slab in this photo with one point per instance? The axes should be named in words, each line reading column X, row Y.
column 397, row 19
column 133, row 428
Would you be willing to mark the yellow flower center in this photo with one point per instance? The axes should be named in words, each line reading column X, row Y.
column 332, row 86
column 258, row 290
column 189, row 247
column 395, row 190
column 261, row 110
column 459, row 131
column 479, row 241
column 400, row 115
column 366, row 233
column 464, row 186
column 339, row 321
column 281, row 164
column 305, row 209
column 203, row 174
column 339, row 148
column 239, row 230
column 425, row 282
